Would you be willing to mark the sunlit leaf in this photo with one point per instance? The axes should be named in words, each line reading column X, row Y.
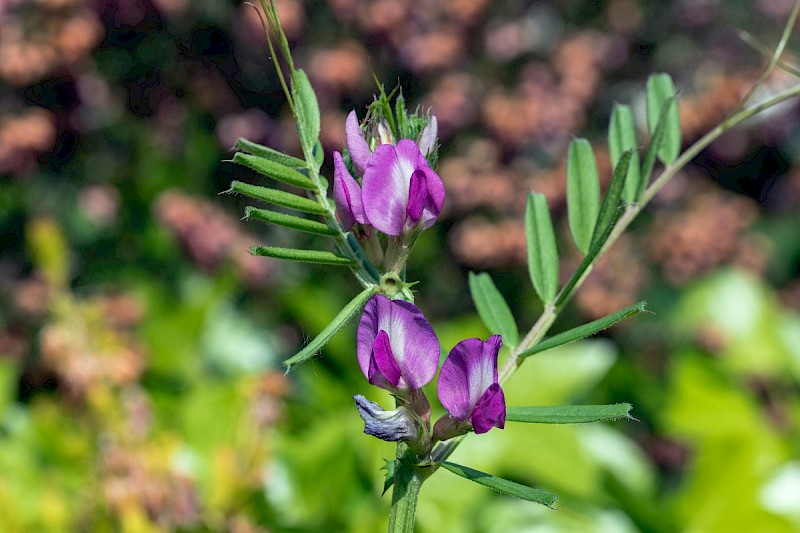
column 307, row 110
column 583, row 192
column 492, row 308
column 586, row 330
column 345, row 315
column 613, row 197
column 661, row 90
column 276, row 197
column 274, row 170
column 621, row 138
column 541, row 245
column 568, row 414
column 288, row 221
column 501, row 485
column 303, row 256
column 243, row 145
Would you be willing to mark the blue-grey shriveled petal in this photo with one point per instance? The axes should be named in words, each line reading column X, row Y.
column 392, row 426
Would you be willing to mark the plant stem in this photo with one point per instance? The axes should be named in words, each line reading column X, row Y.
column 407, row 483
column 550, row 312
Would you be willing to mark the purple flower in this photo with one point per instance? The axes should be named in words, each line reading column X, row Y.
column 468, row 386
column 428, row 136
column 400, row 190
column 346, row 195
column 397, row 347
column 356, row 143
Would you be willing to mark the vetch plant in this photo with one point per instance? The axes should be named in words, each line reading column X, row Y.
column 385, row 193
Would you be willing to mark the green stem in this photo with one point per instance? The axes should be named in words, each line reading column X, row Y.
column 407, row 483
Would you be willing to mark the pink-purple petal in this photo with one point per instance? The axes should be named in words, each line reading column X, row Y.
column 346, row 195
column 385, row 187
column 469, row 370
column 384, row 362
column 356, row 143
column 427, row 139
column 417, row 195
column 490, row 411
column 412, row 341
column 435, row 197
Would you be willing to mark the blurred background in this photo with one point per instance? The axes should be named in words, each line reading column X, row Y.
column 140, row 345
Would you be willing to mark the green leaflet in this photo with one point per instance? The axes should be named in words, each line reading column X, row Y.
column 288, row 221
column 583, row 192
column 660, row 90
column 306, row 110
column 492, row 308
column 621, row 138
column 613, row 196
column 344, row 316
column 243, row 145
column 656, row 141
column 276, row 197
column 588, row 259
column 501, row 485
column 303, row 256
column 541, row 244
column 585, row 330
column 568, row 414
column 274, row 170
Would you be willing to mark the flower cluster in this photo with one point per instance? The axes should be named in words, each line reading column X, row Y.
column 399, row 351
column 384, row 183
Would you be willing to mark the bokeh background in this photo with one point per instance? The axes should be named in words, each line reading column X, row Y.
column 140, row 345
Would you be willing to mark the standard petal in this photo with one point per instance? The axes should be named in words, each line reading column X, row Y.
column 427, row 139
column 414, row 344
column 412, row 341
column 346, row 195
column 490, row 411
column 356, row 143
column 386, row 184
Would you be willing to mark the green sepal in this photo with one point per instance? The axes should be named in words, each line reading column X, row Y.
column 276, row 197
column 568, row 414
column 402, row 117
column 621, row 138
column 288, row 221
column 502, row 486
column 391, row 468
column 492, row 308
column 613, row 197
column 243, row 145
column 345, row 315
column 583, row 192
column 541, row 244
column 303, row 256
column 306, row 110
column 586, row 330
column 661, row 91
column 274, row 170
